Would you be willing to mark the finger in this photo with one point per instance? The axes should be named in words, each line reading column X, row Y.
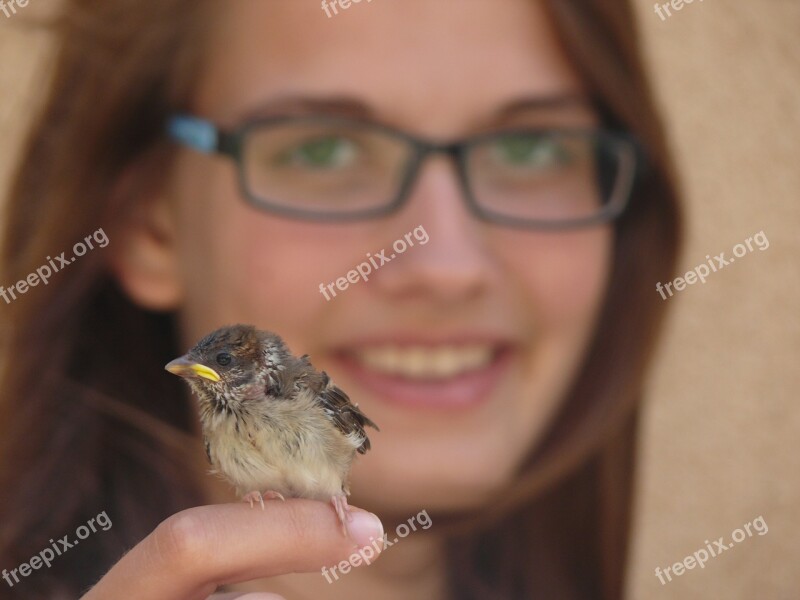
column 195, row 551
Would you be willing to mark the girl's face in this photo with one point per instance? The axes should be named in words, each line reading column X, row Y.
column 461, row 348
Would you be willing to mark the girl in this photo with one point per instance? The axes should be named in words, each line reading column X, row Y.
column 242, row 156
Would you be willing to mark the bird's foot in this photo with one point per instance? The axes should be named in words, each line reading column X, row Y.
column 342, row 510
column 256, row 496
column 252, row 497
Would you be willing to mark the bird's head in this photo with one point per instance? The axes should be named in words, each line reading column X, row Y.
column 230, row 365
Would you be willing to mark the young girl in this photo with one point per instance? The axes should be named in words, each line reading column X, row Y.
column 240, row 158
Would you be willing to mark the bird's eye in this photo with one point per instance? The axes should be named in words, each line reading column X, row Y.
column 223, row 359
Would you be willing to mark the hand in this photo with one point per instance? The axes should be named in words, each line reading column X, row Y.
column 195, row 551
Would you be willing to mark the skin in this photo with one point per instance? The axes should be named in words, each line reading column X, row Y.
column 199, row 248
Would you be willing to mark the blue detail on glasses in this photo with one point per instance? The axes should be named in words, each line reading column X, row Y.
column 196, row 133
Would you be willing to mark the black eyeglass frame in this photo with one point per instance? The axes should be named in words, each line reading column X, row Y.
column 204, row 136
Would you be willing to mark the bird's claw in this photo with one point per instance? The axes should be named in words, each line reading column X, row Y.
column 255, row 496
column 252, row 497
column 342, row 511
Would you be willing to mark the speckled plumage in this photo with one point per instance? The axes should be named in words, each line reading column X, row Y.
column 272, row 423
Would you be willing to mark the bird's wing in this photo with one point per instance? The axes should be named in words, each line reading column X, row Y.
column 347, row 417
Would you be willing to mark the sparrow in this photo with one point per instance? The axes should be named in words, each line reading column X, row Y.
column 273, row 426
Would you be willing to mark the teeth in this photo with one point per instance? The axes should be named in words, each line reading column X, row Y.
column 424, row 362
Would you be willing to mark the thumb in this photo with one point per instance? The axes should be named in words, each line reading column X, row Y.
column 193, row 552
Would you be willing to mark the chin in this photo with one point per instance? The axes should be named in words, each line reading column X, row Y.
column 444, row 485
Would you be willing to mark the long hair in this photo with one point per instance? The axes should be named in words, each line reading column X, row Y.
column 88, row 423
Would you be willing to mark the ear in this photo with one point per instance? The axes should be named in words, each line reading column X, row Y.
column 145, row 258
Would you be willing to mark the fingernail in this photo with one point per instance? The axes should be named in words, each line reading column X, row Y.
column 364, row 528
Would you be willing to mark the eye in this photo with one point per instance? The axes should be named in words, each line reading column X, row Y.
column 531, row 151
column 223, row 359
column 330, row 151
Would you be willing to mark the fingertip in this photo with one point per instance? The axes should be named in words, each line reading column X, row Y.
column 364, row 527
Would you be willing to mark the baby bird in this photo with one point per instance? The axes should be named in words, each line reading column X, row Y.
column 273, row 426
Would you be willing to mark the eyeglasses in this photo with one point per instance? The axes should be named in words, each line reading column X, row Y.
column 339, row 169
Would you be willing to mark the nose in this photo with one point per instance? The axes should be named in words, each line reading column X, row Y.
column 455, row 264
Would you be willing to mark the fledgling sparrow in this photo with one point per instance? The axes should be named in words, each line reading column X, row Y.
column 273, row 426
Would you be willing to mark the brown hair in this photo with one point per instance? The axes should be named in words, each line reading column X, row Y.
column 89, row 423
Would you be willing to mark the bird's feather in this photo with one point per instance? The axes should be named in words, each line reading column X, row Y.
column 345, row 415
column 207, row 446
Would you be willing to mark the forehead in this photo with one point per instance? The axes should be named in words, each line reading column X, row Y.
column 440, row 66
column 241, row 339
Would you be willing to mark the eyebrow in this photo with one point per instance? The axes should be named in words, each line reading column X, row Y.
column 304, row 105
column 554, row 101
column 347, row 106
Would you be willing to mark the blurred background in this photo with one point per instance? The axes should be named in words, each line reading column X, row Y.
column 722, row 420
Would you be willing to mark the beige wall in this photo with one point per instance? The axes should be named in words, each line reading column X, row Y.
column 722, row 429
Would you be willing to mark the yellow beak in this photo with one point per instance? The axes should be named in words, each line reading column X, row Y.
column 184, row 367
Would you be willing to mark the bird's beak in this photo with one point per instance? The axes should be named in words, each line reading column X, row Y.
column 184, row 367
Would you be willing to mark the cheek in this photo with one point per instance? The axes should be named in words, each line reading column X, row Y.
column 241, row 264
column 562, row 276
column 563, row 279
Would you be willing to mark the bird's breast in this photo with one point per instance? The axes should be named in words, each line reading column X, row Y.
column 308, row 459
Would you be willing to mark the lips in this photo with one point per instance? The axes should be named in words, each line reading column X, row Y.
column 447, row 374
